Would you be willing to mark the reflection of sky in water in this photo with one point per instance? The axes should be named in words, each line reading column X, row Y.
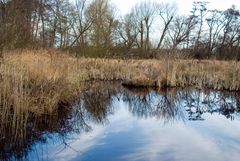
column 127, row 137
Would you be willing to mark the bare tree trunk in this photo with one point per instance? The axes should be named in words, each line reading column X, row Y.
column 141, row 33
column 43, row 23
column 164, row 33
column 147, row 47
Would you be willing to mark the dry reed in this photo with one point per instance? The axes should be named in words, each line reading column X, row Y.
column 213, row 74
column 36, row 81
column 40, row 80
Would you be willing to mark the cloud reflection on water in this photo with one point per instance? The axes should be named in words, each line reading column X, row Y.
column 186, row 141
column 112, row 123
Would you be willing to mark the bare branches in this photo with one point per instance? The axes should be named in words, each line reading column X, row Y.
column 166, row 12
column 93, row 26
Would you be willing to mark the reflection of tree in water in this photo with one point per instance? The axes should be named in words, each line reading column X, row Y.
column 198, row 102
column 20, row 131
column 168, row 106
column 98, row 103
column 139, row 102
column 161, row 105
column 171, row 105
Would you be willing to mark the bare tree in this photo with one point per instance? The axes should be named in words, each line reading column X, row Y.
column 215, row 26
column 81, row 24
column 103, row 24
column 181, row 29
column 85, row 25
column 166, row 12
column 2, row 24
column 127, row 30
column 16, row 18
column 199, row 11
column 231, row 26
column 144, row 14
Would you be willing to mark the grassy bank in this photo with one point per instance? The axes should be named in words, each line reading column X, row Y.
column 41, row 80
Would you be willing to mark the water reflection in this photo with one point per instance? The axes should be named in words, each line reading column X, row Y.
column 173, row 104
column 19, row 131
column 162, row 105
column 197, row 103
column 98, row 106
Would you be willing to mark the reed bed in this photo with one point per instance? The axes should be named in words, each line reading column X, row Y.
column 41, row 80
column 212, row 74
column 37, row 81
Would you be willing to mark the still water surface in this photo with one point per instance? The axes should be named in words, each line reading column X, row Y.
column 112, row 123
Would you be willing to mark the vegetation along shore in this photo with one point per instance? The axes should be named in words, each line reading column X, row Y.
column 45, row 79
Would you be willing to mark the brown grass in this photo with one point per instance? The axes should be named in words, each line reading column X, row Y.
column 37, row 81
column 220, row 75
column 41, row 80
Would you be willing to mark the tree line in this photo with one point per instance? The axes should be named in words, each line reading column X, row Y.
column 95, row 28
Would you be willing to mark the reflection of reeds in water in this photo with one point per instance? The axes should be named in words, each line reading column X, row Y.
column 19, row 131
column 17, row 139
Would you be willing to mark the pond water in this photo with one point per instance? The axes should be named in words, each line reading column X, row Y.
column 113, row 123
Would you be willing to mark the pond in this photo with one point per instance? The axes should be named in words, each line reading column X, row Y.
column 113, row 123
